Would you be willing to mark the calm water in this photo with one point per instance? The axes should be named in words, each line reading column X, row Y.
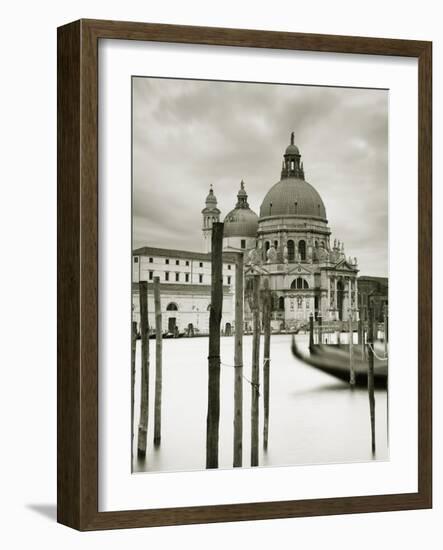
column 313, row 418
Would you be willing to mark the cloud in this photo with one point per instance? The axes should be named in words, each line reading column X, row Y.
column 188, row 134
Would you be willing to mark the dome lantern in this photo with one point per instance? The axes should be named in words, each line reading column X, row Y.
column 291, row 167
column 242, row 197
column 293, row 195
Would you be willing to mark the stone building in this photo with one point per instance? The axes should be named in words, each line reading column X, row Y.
column 289, row 243
column 185, row 288
column 373, row 291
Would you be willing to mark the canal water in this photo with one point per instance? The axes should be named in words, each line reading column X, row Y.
column 313, row 419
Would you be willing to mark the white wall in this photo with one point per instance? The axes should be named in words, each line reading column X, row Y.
column 141, row 266
column 28, row 299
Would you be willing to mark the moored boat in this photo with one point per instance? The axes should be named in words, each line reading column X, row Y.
column 335, row 362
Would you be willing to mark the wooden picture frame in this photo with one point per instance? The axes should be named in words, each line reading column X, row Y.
column 77, row 460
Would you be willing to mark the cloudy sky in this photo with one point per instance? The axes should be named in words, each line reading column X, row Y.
column 190, row 134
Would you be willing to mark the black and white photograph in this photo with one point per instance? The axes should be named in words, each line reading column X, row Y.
column 260, row 276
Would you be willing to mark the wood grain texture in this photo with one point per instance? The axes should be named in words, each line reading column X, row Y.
column 68, row 276
column 77, row 350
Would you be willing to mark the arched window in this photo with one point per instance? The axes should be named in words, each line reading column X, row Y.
column 275, row 245
column 267, row 246
column 302, row 249
column 172, row 307
column 281, row 303
column 299, row 283
column 290, row 246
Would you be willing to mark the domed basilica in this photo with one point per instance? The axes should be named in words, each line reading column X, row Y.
column 289, row 243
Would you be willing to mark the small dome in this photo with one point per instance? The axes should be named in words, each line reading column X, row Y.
column 292, row 150
column 293, row 197
column 241, row 222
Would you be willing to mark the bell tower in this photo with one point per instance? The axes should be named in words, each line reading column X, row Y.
column 211, row 214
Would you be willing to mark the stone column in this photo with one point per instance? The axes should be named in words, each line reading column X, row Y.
column 329, row 298
column 356, row 299
column 350, row 294
column 346, row 299
column 335, row 299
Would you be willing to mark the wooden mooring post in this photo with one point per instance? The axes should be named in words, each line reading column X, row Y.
column 238, row 362
column 351, row 350
column 385, row 339
column 266, row 359
column 158, row 363
column 360, row 335
column 371, row 375
column 213, row 416
column 133, row 355
column 363, row 316
column 144, row 384
column 255, row 379
column 311, row 331
column 320, row 328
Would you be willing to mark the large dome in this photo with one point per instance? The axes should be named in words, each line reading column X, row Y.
column 293, row 197
column 241, row 222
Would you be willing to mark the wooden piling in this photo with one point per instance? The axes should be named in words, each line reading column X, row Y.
column 238, row 362
column 371, row 375
column 133, row 355
column 266, row 359
column 385, row 339
column 213, row 416
column 320, row 328
column 385, row 330
column 363, row 332
column 311, row 331
column 158, row 363
column 255, row 379
column 351, row 351
column 144, row 385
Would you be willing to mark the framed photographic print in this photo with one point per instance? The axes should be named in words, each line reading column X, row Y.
column 244, row 275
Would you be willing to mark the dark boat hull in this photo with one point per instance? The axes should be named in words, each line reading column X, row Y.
column 336, row 364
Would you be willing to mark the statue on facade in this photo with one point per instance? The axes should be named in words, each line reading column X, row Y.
column 272, row 255
column 285, row 254
column 321, row 254
column 253, row 256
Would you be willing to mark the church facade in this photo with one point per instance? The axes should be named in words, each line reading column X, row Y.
column 289, row 243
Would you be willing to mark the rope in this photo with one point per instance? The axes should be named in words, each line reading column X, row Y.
column 385, row 358
column 253, row 385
